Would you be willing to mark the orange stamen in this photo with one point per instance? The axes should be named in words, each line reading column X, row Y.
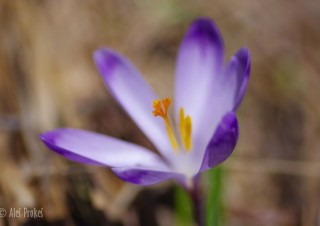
column 161, row 109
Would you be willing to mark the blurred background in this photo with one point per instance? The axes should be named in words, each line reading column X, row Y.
column 48, row 80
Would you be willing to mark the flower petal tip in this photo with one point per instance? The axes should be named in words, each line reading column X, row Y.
column 205, row 31
column 50, row 140
column 243, row 56
column 47, row 137
column 63, row 141
column 106, row 61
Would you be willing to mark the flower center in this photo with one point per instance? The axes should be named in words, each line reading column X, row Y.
column 185, row 124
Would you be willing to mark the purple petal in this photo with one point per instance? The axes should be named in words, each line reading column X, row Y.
column 199, row 65
column 222, row 143
column 134, row 94
column 199, row 61
column 237, row 77
column 93, row 148
column 145, row 176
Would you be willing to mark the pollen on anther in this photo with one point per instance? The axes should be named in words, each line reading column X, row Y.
column 160, row 107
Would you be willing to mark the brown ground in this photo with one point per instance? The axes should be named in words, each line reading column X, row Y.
column 48, row 80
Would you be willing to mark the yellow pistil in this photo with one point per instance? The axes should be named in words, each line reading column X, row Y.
column 185, row 130
column 161, row 109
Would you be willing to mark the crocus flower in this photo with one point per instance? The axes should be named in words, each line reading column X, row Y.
column 202, row 130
